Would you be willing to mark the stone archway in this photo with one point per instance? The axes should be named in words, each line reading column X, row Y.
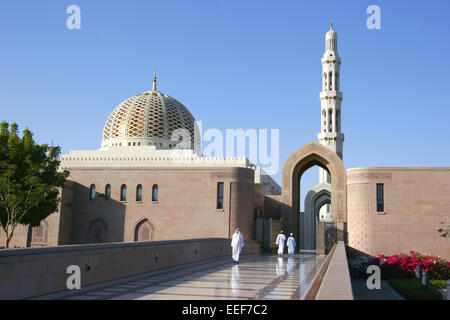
column 97, row 231
column 144, row 231
column 320, row 201
column 315, row 198
column 298, row 162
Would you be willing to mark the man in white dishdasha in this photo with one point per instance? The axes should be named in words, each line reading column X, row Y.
column 237, row 242
column 280, row 242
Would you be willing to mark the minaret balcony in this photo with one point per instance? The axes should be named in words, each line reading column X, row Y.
column 330, row 95
column 338, row 136
column 334, row 58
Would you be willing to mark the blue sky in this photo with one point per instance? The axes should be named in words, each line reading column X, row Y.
column 234, row 64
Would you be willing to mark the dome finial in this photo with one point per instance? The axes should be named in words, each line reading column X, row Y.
column 154, row 81
column 331, row 23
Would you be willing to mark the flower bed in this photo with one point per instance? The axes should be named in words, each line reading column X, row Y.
column 437, row 267
column 402, row 266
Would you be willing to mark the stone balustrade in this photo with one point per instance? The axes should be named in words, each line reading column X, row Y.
column 336, row 284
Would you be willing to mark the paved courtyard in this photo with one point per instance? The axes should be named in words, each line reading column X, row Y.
column 255, row 277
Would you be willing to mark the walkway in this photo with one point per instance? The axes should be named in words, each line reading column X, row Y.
column 256, row 277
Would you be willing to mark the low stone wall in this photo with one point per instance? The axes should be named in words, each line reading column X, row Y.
column 32, row 272
column 336, row 284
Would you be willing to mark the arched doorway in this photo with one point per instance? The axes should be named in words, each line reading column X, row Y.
column 97, row 231
column 318, row 196
column 38, row 236
column 321, row 201
column 144, row 231
column 298, row 162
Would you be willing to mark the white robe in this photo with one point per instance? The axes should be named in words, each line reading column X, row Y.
column 237, row 242
column 291, row 245
column 280, row 242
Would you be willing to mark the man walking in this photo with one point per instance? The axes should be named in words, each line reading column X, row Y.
column 280, row 242
column 291, row 245
column 237, row 242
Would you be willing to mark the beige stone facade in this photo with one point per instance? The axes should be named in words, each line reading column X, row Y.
column 416, row 201
column 186, row 207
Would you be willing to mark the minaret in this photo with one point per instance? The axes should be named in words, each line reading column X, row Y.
column 330, row 99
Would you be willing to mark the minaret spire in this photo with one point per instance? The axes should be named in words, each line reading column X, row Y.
column 330, row 134
column 154, row 81
column 330, row 99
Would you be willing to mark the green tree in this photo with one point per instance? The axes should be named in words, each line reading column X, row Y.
column 29, row 180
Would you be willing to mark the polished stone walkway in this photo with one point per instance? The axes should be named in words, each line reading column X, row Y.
column 255, row 277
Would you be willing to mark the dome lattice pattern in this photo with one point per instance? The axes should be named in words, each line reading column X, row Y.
column 149, row 118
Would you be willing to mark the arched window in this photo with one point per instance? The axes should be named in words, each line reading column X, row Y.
column 325, row 81
column 330, row 120
column 155, row 193
column 330, row 81
column 219, row 195
column 123, row 193
column 139, row 192
column 108, row 192
column 92, row 192
column 144, row 231
column 40, row 234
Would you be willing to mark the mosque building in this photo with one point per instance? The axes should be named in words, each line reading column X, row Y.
column 149, row 181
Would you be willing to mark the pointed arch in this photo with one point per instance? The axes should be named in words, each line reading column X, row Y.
column 38, row 236
column 97, row 231
column 298, row 162
column 144, row 230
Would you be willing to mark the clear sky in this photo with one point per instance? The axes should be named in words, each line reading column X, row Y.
column 234, row 64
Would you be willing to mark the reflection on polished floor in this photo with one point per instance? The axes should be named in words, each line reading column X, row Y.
column 255, row 277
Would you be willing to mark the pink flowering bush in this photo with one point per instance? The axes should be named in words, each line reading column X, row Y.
column 405, row 265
